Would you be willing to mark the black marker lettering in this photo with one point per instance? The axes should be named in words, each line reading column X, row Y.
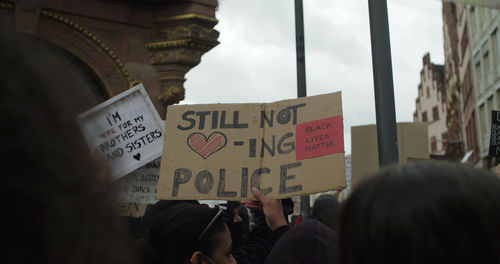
column 289, row 145
column 285, row 177
column 244, row 182
column 284, row 116
column 236, row 123
column 116, row 116
column 255, row 179
column 202, row 116
column 186, row 117
column 181, row 176
column 294, row 109
column 222, row 185
column 253, row 147
column 204, row 182
column 269, row 149
column 215, row 119
column 263, row 117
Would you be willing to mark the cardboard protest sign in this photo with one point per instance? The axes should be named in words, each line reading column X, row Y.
column 125, row 129
column 139, row 186
column 413, row 144
column 494, row 150
column 221, row 151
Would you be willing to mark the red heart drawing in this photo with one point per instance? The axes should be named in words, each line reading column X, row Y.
column 204, row 146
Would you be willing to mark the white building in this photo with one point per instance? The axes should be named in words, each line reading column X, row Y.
column 431, row 105
column 484, row 24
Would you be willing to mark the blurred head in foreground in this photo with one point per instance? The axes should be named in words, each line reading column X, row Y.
column 423, row 213
column 309, row 242
column 325, row 210
column 57, row 210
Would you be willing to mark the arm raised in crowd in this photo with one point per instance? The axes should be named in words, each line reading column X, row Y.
column 272, row 208
column 262, row 239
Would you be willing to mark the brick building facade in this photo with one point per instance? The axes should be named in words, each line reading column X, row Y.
column 459, row 84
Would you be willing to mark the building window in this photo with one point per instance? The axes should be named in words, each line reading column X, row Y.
column 474, row 135
column 477, row 71
column 435, row 113
column 494, row 50
column 444, row 138
column 473, row 22
column 433, row 144
column 490, row 108
column 464, row 42
column 482, row 116
column 428, row 92
column 481, row 15
column 467, row 136
column 486, row 62
column 424, row 116
column 498, row 99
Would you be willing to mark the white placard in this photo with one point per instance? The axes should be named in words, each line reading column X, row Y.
column 140, row 185
column 125, row 129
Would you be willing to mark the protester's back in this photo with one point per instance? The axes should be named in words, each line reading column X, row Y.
column 423, row 213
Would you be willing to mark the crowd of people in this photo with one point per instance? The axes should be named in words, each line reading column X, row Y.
column 59, row 210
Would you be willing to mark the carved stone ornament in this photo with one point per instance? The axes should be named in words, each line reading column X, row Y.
column 177, row 46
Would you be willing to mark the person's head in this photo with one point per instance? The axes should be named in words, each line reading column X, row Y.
column 423, row 213
column 190, row 233
column 58, row 211
column 309, row 242
column 325, row 210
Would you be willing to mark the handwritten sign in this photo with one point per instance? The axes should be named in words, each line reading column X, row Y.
column 495, row 134
column 413, row 145
column 221, row 151
column 140, row 185
column 125, row 129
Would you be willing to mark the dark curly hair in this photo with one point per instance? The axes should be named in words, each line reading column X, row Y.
column 173, row 233
column 423, row 213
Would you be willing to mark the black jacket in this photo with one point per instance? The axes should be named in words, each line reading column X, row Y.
column 259, row 244
column 309, row 242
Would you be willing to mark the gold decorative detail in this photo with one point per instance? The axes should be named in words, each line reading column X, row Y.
column 188, row 43
column 192, row 30
column 167, row 44
column 134, row 83
column 94, row 39
column 171, row 95
column 188, row 57
column 185, row 17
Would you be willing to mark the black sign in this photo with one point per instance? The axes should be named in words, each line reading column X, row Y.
column 495, row 134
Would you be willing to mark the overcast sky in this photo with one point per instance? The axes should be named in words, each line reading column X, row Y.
column 255, row 60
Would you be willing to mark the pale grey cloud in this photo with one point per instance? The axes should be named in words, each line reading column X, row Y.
column 255, row 61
